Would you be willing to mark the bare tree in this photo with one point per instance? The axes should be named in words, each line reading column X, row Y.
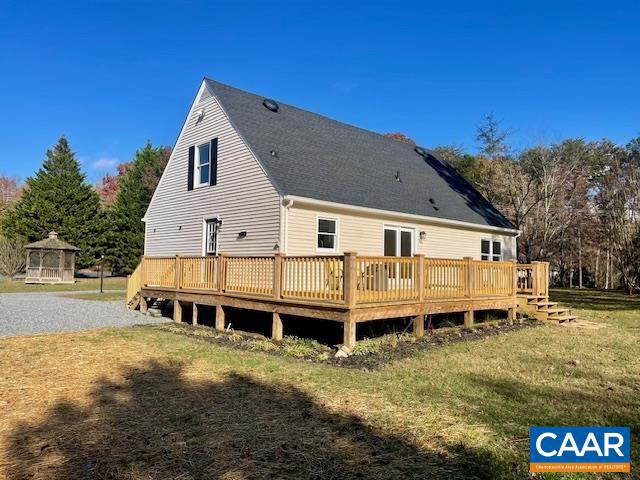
column 618, row 200
column 12, row 256
column 9, row 192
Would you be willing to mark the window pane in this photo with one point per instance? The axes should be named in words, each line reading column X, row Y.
column 484, row 257
column 405, row 244
column 497, row 248
column 212, row 230
column 204, row 174
column 496, row 258
column 326, row 226
column 203, row 154
column 486, row 246
column 390, row 243
column 326, row 241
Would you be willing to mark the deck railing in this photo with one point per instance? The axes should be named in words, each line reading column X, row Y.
column 313, row 278
column 387, row 279
column 346, row 279
column 533, row 279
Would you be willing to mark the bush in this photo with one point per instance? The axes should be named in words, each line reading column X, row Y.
column 12, row 256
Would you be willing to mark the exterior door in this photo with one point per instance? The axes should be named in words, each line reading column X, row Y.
column 398, row 242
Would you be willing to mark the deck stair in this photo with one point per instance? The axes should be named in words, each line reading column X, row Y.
column 540, row 307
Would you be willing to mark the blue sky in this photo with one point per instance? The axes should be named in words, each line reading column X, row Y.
column 112, row 74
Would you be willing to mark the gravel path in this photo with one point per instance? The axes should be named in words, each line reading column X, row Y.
column 27, row 313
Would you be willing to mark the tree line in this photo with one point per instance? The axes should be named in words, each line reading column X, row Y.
column 103, row 220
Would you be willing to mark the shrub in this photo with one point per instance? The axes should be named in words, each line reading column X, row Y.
column 12, row 256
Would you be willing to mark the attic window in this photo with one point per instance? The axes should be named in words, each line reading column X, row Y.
column 270, row 105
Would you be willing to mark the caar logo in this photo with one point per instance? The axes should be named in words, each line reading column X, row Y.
column 580, row 449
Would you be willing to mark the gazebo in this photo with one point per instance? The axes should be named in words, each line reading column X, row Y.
column 50, row 261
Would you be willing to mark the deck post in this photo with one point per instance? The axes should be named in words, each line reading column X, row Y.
column 514, row 287
column 534, row 278
column 143, row 271
column 276, row 327
column 468, row 318
column 143, row 305
column 418, row 326
column 349, row 339
column 194, row 316
column 420, row 282
column 221, row 273
column 277, row 276
column 178, row 272
column 468, row 291
column 220, row 322
column 177, row 311
column 350, row 281
column 513, row 317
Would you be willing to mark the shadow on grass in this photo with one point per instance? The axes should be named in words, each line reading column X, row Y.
column 158, row 424
column 595, row 299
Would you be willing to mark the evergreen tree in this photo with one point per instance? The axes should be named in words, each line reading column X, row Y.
column 58, row 198
column 125, row 232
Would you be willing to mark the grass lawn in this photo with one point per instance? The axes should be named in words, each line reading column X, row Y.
column 141, row 403
column 106, row 296
column 110, row 283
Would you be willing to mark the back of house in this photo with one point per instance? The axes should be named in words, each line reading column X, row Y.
column 253, row 176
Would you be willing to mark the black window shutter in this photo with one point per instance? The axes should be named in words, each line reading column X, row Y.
column 213, row 168
column 192, row 155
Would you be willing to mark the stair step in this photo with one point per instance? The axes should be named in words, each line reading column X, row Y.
column 546, row 306
column 564, row 318
column 556, row 311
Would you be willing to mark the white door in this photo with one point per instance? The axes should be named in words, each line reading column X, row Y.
column 398, row 242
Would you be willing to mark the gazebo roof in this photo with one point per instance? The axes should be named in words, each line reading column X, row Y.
column 51, row 243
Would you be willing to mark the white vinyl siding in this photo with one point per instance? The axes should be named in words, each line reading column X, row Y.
column 364, row 234
column 243, row 198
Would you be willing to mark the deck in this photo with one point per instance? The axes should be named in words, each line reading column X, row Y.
column 345, row 288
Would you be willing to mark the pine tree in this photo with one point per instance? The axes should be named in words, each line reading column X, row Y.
column 58, row 198
column 125, row 232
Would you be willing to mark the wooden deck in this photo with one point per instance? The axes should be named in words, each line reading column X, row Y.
column 344, row 288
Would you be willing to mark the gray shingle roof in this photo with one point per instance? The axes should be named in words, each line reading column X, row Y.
column 51, row 243
column 324, row 159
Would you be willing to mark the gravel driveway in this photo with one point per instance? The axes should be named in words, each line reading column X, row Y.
column 26, row 313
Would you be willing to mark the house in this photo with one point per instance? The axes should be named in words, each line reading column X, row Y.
column 253, row 176
column 265, row 206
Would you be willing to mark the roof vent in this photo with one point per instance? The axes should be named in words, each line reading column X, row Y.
column 420, row 151
column 270, row 105
column 274, row 154
column 398, row 176
column 53, row 235
column 432, row 201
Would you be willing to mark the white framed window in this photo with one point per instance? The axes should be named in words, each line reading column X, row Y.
column 490, row 250
column 327, row 234
column 202, row 171
column 211, row 228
